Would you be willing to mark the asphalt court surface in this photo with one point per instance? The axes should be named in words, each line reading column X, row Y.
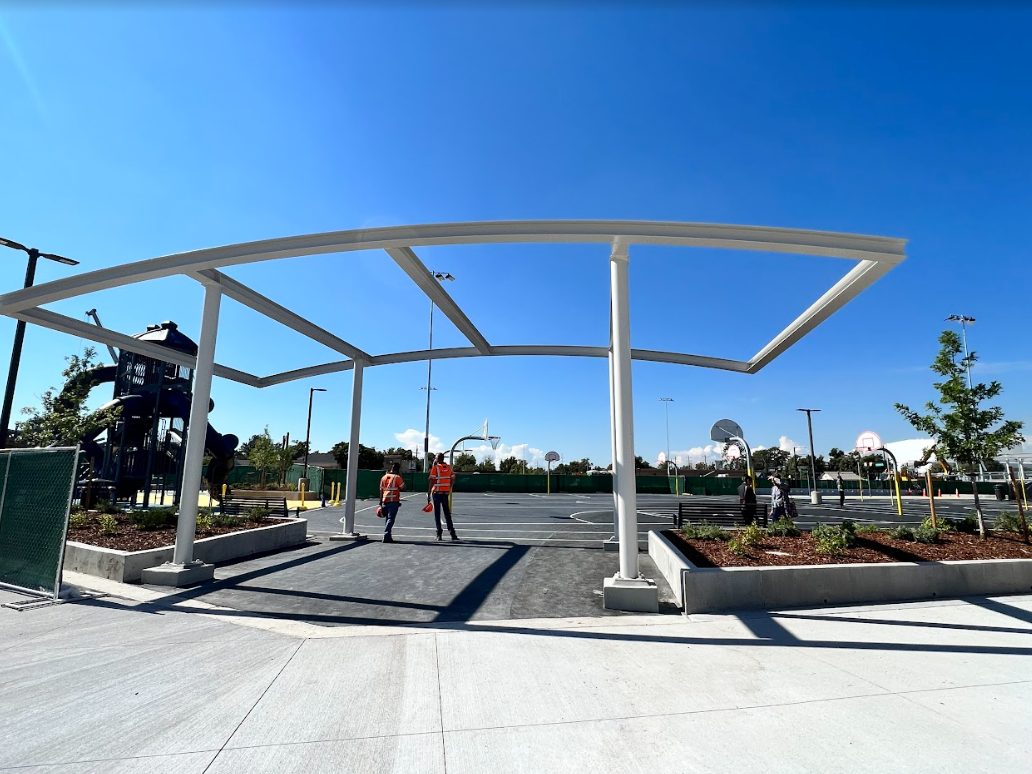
column 520, row 556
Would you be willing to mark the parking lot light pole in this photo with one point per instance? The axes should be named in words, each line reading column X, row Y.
column 19, row 330
column 666, row 407
column 440, row 276
column 308, row 431
column 815, row 496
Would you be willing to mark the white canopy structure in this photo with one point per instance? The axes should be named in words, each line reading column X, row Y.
column 874, row 256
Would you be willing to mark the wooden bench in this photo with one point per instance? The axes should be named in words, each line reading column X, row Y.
column 722, row 514
column 239, row 506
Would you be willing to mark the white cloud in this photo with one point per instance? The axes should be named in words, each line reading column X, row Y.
column 413, row 439
column 786, row 444
column 692, row 455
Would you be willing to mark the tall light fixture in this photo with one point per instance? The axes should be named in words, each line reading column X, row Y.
column 814, row 497
column 19, row 331
column 308, row 431
column 963, row 320
column 440, row 276
column 666, row 409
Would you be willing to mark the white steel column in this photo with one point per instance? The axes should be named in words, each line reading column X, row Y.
column 614, row 541
column 195, row 433
column 623, row 414
column 352, row 473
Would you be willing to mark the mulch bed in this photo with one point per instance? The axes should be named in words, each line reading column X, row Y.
column 870, row 547
column 128, row 537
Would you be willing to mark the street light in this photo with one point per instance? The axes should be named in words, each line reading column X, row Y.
column 19, row 331
column 666, row 408
column 308, row 431
column 796, row 457
column 963, row 320
column 815, row 496
column 440, row 277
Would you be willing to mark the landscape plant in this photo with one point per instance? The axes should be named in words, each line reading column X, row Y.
column 107, row 524
column 704, row 531
column 784, row 527
column 960, row 428
column 902, row 532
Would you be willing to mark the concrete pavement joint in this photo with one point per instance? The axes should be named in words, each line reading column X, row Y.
column 256, row 703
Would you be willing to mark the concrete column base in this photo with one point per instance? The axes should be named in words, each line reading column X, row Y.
column 178, row 575
column 349, row 537
column 815, row 498
column 639, row 595
column 610, row 545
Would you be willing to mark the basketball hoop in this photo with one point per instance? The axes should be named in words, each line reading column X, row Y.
column 495, row 440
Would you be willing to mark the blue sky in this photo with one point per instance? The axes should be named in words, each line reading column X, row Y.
column 128, row 134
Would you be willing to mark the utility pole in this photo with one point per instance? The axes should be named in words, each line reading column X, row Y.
column 815, row 496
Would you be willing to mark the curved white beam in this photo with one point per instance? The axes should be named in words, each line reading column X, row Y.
column 761, row 238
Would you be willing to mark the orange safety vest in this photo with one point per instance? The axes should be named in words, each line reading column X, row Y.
column 441, row 477
column 390, row 488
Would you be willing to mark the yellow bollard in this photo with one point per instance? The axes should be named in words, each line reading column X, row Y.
column 302, row 506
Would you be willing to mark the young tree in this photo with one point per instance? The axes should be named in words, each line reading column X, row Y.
column 487, row 466
column 263, row 454
column 959, row 426
column 64, row 419
column 369, row 457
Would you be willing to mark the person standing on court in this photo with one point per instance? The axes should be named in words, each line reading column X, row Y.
column 747, row 499
column 441, row 479
column 841, row 491
column 777, row 499
column 390, row 499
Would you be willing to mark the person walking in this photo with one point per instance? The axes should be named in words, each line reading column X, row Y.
column 390, row 499
column 777, row 499
column 747, row 499
column 841, row 491
column 441, row 479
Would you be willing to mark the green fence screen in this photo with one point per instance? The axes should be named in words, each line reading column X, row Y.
column 35, row 498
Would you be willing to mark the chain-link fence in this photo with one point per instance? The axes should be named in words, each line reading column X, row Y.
column 36, row 488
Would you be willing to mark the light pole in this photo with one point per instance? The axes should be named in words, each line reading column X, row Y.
column 666, row 408
column 796, row 458
column 19, row 330
column 963, row 320
column 440, row 277
column 308, row 431
column 815, row 496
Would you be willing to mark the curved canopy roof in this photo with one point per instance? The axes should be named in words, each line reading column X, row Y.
column 874, row 256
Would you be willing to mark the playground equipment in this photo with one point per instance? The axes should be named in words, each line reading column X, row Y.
column 145, row 447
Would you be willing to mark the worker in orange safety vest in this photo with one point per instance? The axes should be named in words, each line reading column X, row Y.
column 441, row 479
column 391, row 486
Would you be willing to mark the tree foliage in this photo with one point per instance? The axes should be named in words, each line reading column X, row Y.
column 465, row 463
column 63, row 419
column 961, row 428
column 262, row 453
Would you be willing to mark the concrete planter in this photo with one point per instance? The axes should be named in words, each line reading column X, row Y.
column 720, row 589
column 128, row 566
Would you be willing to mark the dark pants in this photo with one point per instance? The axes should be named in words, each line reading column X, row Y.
column 749, row 512
column 441, row 501
column 390, row 512
column 842, row 498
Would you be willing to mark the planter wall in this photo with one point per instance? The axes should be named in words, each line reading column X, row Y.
column 722, row 589
column 128, row 566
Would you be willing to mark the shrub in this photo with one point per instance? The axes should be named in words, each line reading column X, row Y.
column 784, row 527
column 832, row 540
column 926, row 534
column 106, row 506
column 1007, row 522
column 902, row 532
column 78, row 519
column 868, row 529
column 107, row 524
column 736, row 545
column 258, row 514
column 968, row 525
column 224, row 520
column 204, row 520
column 154, row 518
column 941, row 524
column 704, row 531
column 751, row 535
column 848, row 525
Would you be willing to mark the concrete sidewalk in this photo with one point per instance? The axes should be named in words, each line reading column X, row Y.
column 133, row 684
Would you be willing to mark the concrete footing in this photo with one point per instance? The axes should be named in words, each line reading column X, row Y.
column 639, row 595
column 349, row 537
column 178, row 575
column 815, row 498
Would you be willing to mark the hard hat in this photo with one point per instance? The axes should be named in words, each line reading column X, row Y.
column 379, row 512
column 428, row 507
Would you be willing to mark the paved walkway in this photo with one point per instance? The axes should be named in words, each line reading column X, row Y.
column 144, row 683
